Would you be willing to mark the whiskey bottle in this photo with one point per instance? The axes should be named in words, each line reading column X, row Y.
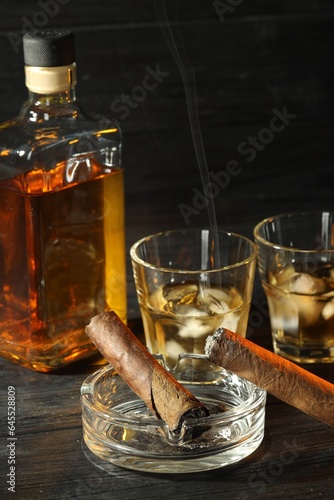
column 62, row 244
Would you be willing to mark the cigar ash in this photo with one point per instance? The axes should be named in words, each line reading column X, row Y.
column 191, row 435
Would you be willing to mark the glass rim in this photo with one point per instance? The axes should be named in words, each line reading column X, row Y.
column 246, row 261
column 291, row 215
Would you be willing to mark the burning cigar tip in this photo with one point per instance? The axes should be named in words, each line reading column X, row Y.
column 212, row 340
column 223, row 341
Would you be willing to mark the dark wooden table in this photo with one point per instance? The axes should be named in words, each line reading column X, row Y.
column 295, row 460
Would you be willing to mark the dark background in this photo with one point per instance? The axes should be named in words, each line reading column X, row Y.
column 243, row 59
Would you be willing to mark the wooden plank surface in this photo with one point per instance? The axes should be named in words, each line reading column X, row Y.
column 295, row 459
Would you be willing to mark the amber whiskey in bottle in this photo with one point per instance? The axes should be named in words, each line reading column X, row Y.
column 62, row 244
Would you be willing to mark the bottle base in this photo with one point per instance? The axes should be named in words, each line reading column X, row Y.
column 304, row 355
column 47, row 358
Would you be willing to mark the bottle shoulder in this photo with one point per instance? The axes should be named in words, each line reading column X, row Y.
column 70, row 117
column 42, row 136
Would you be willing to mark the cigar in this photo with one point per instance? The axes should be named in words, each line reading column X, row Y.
column 167, row 399
column 278, row 376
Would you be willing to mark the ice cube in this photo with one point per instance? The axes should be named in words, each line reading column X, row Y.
column 305, row 284
column 219, row 300
column 328, row 310
column 304, row 289
column 299, row 305
column 193, row 328
column 289, row 280
column 214, row 300
column 179, row 297
column 181, row 292
column 173, row 349
column 283, row 314
column 282, row 276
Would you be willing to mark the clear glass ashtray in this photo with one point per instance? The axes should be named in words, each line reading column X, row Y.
column 119, row 429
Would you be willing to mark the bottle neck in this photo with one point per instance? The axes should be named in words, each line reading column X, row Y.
column 67, row 96
column 51, row 93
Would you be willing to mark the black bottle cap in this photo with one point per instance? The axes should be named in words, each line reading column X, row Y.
column 49, row 48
